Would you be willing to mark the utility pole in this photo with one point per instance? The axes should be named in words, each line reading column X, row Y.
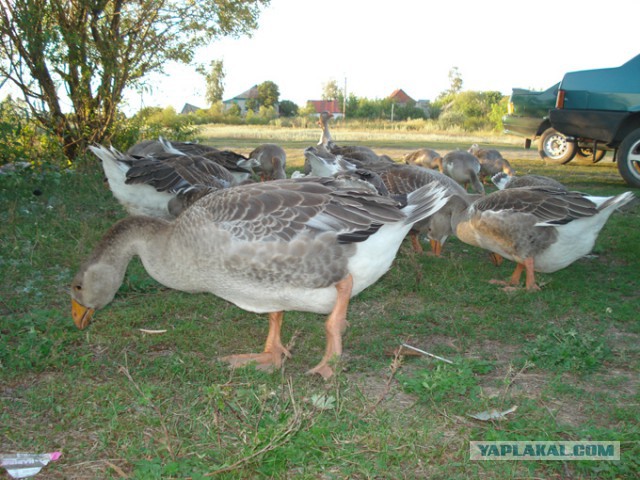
column 344, row 100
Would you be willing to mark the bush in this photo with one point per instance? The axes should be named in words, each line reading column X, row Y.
column 23, row 140
column 151, row 123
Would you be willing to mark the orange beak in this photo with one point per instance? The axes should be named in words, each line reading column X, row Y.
column 81, row 315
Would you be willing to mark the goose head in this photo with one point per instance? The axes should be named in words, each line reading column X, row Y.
column 100, row 276
column 93, row 287
column 323, row 122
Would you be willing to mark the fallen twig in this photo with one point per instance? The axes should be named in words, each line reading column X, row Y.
column 427, row 354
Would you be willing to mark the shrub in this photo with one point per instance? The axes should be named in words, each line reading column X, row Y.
column 22, row 139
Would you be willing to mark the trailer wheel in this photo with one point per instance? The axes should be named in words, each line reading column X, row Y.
column 554, row 148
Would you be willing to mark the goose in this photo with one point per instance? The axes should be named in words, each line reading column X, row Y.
column 402, row 179
column 324, row 164
column 503, row 180
column 491, row 162
column 356, row 152
column 271, row 160
column 162, row 145
column 423, row 157
column 161, row 185
column 240, row 166
column 542, row 229
column 463, row 167
column 388, row 179
column 268, row 247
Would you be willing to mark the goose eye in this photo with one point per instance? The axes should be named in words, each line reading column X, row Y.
column 77, row 288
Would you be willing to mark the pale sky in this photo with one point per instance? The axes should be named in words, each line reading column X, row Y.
column 410, row 44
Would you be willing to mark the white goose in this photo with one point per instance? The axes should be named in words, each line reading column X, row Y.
column 163, row 184
column 301, row 244
column 540, row 228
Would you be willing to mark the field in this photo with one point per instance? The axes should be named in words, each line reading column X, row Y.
column 120, row 402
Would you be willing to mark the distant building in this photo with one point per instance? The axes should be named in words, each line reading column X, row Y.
column 331, row 106
column 188, row 108
column 399, row 97
column 425, row 106
column 241, row 100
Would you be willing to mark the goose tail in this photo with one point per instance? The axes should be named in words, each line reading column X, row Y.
column 614, row 203
column 110, row 158
column 425, row 201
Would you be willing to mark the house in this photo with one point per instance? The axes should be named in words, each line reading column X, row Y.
column 400, row 98
column 241, row 100
column 331, row 106
column 188, row 108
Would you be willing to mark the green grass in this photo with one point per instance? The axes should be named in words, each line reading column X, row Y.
column 120, row 403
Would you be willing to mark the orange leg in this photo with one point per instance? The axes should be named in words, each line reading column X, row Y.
column 495, row 258
column 514, row 281
column 334, row 327
column 530, row 281
column 436, row 247
column 415, row 241
column 271, row 357
column 517, row 273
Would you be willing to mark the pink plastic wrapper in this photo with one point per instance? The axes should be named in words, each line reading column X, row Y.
column 23, row 465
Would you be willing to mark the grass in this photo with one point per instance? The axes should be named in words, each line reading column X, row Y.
column 121, row 403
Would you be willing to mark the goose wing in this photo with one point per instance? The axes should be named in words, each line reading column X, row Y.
column 177, row 173
column 548, row 205
column 281, row 210
column 402, row 178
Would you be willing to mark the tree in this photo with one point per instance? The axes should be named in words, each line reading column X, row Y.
column 330, row 90
column 89, row 51
column 288, row 108
column 268, row 94
column 455, row 81
column 214, row 79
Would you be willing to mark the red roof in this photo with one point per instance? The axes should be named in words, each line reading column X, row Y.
column 399, row 96
column 331, row 106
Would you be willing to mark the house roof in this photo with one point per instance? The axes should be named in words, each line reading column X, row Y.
column 247, row 94
column 400, row 96
column 188, row 108
column 331, row 106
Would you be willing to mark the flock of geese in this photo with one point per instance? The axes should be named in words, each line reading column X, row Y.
column 209, row 220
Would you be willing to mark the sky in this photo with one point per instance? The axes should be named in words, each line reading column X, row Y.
column 377, row 47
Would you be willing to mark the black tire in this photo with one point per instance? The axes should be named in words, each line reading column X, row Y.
column 555, row 149
column 628, row 158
